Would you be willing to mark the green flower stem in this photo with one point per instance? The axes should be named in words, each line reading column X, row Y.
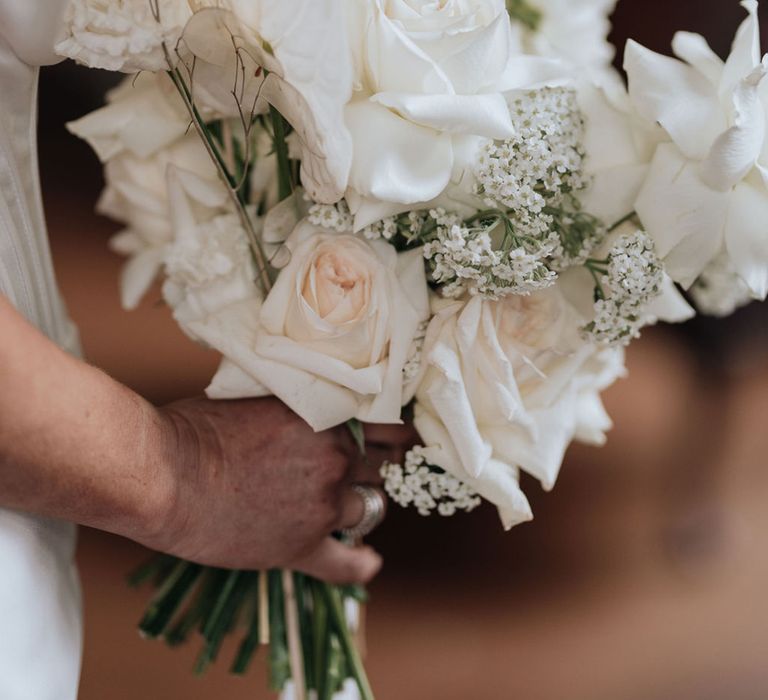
column 250, row 643
column 284, row 181
column 320, row 638
column 158, row 565
column 169, row 598
column 339, row 622
column 223, row 615
column 237, row 197
column 524, row 13
column 622, row 220
column 279, row 660
column 199, row 610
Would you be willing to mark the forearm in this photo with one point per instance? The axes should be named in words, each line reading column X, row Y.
column 75, row 444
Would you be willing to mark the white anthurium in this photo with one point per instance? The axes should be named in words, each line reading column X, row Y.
column 706, row 194
column 332, row 337
column 510, row 384
column 128, row 36
column 293, row 56
column 573, row 30
column 431, row 80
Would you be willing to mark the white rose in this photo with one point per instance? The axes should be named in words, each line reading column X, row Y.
column 127, row 35
column 510, row 384
column 706, row 194
column 333, row 336
column 431, row 79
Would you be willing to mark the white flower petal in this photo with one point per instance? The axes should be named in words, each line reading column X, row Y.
column 233, row 331
column 670, row 306
column 137, row 276
column 685, row 218
column 694, row 50
column 736, row 151
column 231, row 382
column 746, row 236
column 498, row 483
column 677, row 96
column 482, row 115
column 745, row 52
column 404, row 163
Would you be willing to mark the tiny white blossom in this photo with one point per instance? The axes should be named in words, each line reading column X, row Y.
column 466, row 259
column 629, row 279
column 427, row 488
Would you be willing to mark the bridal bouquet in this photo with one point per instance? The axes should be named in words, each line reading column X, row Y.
column 447, row 209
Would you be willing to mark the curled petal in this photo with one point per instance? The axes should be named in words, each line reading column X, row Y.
column 412, row 163
column 677, row 96
column 745, row 53
column 482, row 115
column 694, row 49
column 736, row 151
column 498, row 483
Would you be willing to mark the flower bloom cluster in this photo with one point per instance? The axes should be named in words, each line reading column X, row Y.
column 533, row 172
column 628, row 280
column 427, row 488
column 466, row 259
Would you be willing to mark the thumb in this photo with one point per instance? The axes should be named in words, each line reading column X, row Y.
column 335, row 562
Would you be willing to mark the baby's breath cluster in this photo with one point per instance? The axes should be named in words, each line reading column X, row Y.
column 485, row 258
column 541, row 164
column 534, row 178
column 626, row 282
column 337, row 217
column 425, row 487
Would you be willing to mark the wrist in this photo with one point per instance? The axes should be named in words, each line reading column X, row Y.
column 169, row 461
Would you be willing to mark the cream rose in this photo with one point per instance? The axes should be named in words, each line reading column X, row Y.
column 510, row 384
column 334, row 334
column 431, row 78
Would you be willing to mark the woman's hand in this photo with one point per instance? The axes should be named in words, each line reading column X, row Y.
column 250, row 485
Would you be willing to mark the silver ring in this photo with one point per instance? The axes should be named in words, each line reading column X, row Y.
column 373, row 512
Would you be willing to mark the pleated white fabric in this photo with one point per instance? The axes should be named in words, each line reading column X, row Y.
column 40, row 619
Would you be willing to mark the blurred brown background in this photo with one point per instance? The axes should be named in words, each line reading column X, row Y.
column 643, row 576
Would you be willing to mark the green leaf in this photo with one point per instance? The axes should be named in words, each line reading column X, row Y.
column 355, row 427
column 169, row 598
column 279, row 659
column 222, row 616
column 250, row 644
column 524, row 13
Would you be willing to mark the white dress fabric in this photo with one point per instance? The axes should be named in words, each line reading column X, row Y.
column 40, row 618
